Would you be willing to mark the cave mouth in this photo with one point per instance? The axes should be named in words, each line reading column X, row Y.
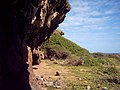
column 17, row 32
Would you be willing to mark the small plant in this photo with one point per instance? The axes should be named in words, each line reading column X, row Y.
column 104, row 61
column 110, row 70
column 90, row 62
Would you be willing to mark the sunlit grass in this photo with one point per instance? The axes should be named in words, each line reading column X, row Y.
column 80, row 77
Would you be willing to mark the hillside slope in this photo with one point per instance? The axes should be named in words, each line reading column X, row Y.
column 59, row 47
column 83, row 70
column 62, row 44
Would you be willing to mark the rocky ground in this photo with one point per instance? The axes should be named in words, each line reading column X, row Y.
column 50, row 75
column 53, row 75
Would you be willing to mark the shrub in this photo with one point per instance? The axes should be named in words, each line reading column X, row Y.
column 56, row 52
column 74, row 61
column 61, row 55
column 104, row 61
column 90, row 61
column 111, row 79
column 110, row 70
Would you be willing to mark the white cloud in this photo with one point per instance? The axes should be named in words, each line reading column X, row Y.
column 87, row 14
column 93, row 22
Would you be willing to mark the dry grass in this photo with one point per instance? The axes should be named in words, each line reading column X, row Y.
column 76, row 77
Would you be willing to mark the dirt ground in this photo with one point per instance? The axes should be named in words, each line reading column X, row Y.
column 48, row 68
column 76, row 77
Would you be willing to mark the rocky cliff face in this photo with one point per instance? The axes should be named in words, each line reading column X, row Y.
column 25, row 23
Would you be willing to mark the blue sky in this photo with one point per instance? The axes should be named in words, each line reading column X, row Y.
column 94, row 25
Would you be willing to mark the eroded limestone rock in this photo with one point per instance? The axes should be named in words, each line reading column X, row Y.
column 25, row 23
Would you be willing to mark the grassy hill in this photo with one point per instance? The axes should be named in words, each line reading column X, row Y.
column 61, row 48
column 62, row 44
column 98, row 71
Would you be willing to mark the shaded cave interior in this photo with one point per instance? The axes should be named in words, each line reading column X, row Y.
column 17, row 31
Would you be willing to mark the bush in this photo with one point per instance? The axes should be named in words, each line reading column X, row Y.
column 56, row 52
column 90, row 62
column 61, row 55
column 110, row 70
column 112, row 79
column 74, row 61
column 104, row 61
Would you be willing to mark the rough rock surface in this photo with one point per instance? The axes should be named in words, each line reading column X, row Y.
column 25, row 23
column 59, row 32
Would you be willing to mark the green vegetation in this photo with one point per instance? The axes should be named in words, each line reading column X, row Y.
column 80, row 77
column 61, row 48
column 96, row 70
column 64, row 45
